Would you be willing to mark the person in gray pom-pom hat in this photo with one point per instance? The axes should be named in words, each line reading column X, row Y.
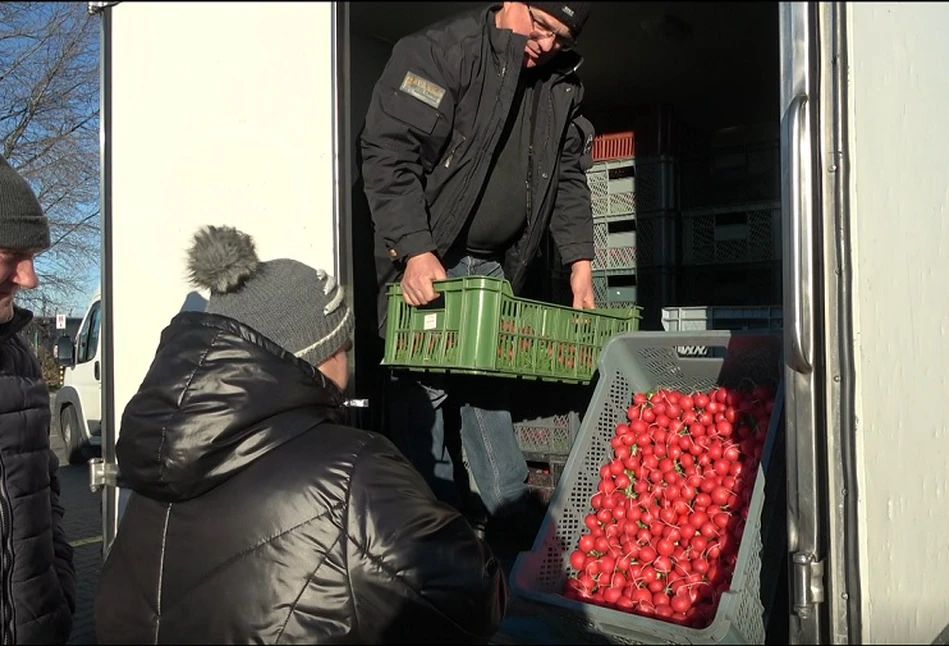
column 36, row 568
column 256, row 515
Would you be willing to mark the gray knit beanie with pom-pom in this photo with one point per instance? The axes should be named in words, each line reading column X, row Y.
column 299, row 308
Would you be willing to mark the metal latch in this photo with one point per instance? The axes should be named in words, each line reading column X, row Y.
column 356, row 403
column 102, row 474
column 808, row 583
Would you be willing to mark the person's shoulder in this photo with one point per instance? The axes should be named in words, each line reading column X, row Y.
column 449, row 33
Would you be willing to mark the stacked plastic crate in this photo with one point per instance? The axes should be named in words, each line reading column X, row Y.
column 546, row 420
column 731, row 226
column 633, row 200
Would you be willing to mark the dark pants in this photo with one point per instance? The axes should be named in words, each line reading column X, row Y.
column 434, row 419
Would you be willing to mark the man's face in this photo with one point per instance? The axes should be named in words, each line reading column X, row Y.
column 546, row 35
column 16, row 272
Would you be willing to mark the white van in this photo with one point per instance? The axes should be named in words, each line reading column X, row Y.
column 78, row 402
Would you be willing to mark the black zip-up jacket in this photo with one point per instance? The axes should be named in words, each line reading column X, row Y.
column 37, row 580
column 256, row 518
column 433, row 123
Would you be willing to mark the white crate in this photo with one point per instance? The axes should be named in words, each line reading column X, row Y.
column 631, row 241
column 630, row 186
column 686, row 319
column 689, row 319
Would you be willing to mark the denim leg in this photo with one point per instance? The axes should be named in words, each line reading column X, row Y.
column 495, row 461
column 417, row 426
column 423, row 426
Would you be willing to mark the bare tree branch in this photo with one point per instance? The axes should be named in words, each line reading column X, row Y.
column 49, row 120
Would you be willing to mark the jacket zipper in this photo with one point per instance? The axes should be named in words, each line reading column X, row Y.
column 464, row 188
column 532, row 233
column 6, row 567
column 451, row 153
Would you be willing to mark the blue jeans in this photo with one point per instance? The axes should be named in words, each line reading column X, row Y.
column 433, row 417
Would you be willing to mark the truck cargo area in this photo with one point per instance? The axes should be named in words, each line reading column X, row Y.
column 697, row 86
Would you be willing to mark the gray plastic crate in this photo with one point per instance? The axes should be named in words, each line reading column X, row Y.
column 630, row 186
column 688, row 319
column 721, row 317
column 544, row 436
column 615, row 288
column 542, row 480
column 634, row 241
column 731, row 175
column 732, row 234
column 643, row 362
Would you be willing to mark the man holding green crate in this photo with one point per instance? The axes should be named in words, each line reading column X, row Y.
column 474, row 144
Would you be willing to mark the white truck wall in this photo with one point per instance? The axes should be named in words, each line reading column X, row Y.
column 900, row 215
column 221, row 114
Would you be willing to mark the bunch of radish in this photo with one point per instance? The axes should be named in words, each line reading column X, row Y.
column 671, row 504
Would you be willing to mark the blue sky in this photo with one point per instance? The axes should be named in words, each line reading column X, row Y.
column 35, row 18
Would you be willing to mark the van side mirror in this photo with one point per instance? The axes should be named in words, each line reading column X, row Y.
column 64, row 351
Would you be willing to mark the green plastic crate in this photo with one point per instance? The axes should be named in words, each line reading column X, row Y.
column 477, row 326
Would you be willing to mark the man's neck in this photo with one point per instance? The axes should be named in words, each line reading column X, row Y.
column 16, row 323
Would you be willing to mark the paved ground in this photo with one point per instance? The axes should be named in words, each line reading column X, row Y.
column 83, row 524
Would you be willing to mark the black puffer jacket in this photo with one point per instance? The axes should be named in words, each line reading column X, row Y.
column 36, row 568
column 256, row 518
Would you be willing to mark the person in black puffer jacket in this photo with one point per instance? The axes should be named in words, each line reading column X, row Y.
column 256, row 516
column 36, row 568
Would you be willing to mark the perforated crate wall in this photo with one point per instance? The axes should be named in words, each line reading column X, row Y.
column 543, row 479
column 642, row 362
column 742, row 284
column 545, row 436
column 631, row 186
column 615, row 288
column 634, row 241
column 736, row 234
column 731, row 175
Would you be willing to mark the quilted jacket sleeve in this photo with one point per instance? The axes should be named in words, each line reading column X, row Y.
column 418, row 571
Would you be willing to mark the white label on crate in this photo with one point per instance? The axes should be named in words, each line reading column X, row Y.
column 430, row 322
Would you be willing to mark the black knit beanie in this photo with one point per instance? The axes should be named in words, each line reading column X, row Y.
column 22, row 222
column 572, row 14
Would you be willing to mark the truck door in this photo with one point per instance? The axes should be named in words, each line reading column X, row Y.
column 822, row 530
column 211, row 113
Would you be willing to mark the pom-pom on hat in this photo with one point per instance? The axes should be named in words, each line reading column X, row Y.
column 301, row 309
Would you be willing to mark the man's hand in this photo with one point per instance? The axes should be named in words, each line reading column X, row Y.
column 581, row 283
column 420, row 271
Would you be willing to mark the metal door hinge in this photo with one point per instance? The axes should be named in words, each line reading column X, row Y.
column 95, row 7
column 102, row 474
column 808, row 583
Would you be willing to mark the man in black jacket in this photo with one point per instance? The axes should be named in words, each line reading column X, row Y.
column 37, row 580
column 473, row 145
column 256, row 516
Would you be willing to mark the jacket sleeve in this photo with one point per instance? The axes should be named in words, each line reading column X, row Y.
column 62, row 550
column 571, row 223
column 408, row 125
column 418, row 572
